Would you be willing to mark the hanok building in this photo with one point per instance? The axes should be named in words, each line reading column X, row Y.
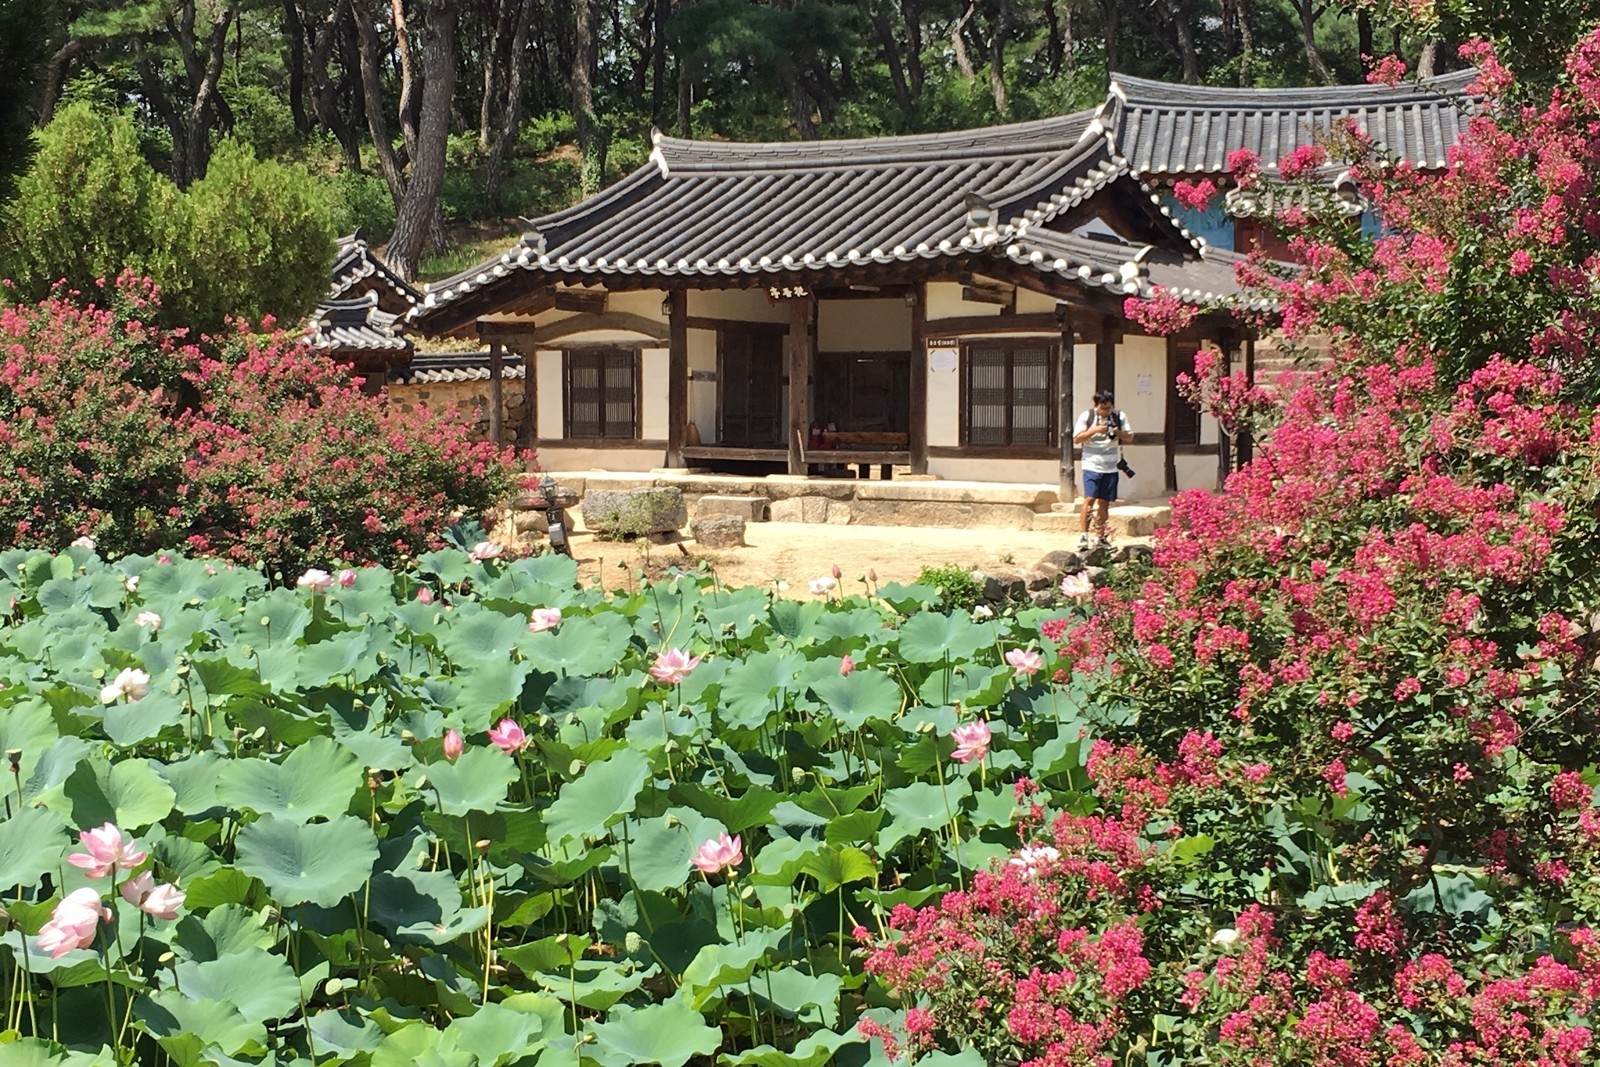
column 944, row 302
column 361, row 321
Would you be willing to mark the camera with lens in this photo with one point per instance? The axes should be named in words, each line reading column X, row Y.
column 1122, row 465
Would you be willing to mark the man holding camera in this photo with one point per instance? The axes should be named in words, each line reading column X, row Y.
column 1101, row 433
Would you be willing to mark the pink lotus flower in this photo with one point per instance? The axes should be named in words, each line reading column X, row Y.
column 347, row 578
column 84, row 542
column 837, row 573
column 543, row 619
column 148, row 618
column 130, row 682
column 673, row 665
column 720, row 852
column 822, row 586
column 972, row 741
column 318, row 581
column 73, row 923
column 846, row 665
column 1077, row 585
column 508, row 737
column 484, row 550
column 453, row 745
column 158, row 901
column 424, row 595
column 1025, row 661
column 107, row 850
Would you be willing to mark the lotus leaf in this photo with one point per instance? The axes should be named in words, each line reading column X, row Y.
column 317, row 863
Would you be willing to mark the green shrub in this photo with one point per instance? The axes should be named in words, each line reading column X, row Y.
column 360, row 202
column 958, row 589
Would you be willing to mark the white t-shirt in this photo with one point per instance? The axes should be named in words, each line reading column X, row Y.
column 1100, row 453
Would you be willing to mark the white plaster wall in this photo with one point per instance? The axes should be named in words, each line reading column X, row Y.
column 863, row 326
column 944, row 302
column 1031, row 303
column 745, row 305
column 1138, row 355
column 645, row 302
column 560, row 460
column 944, row 406
column 1196, row 472
column 1030, row 471
column 603, row 337
column 653, row 415
column 551, row 393
column 1150, row 463
column 703, row 395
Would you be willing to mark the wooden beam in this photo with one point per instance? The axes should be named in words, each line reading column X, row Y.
column 677, row 375
column 801, row 353
column 1033, row 322
column 528, row 432
column 1247, row 444
column 704, row 322
column 1065, row 481
column 587, row 301
column 918, row 426
column 1105, row 356
column 496, row 392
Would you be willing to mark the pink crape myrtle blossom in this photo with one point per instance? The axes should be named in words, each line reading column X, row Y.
column 508, row 737
column 158, row 901
column 453, row 745
column 1196, row 196
column 972, row 741
column 73, row 923
column 130, row 682
column 1025, row 662
column 673, row 665
column 719, row 853
column 106, row 850
column 542, row 619
column 316, row 580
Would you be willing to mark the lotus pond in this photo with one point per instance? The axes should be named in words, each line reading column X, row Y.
column 606, row 864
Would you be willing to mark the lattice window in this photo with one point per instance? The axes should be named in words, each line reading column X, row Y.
column 602, row 396
column 1010, row 393
column 1185, row 416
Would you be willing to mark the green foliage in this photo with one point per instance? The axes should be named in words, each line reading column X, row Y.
column 958, row 589
column 251, row 239
column 346, row 879
column 260, row 240
column 89, row 208
column 24, row 49
column 360, row 202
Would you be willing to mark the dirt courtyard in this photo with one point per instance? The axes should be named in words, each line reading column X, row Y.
column 798, row 552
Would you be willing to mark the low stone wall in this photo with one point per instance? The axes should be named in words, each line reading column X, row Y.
column 469, row 396
column 846, row 501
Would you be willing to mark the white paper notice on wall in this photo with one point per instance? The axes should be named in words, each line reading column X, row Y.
column 942, row 353
column 1146, row 384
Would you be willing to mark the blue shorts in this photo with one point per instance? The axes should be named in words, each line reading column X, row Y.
column 1100, row 486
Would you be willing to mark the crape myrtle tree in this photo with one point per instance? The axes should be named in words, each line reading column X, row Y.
column 248, row 446
column 1343, row 737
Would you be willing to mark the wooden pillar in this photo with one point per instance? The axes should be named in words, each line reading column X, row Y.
column 918, row 430
column 1247, row 445
column 677, row 375
column 1066, row 417
column 801, row 356
column 496, row 393
column 528, row 431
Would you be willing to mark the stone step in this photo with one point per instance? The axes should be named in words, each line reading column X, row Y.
column 1123, row 520
column 748, row 508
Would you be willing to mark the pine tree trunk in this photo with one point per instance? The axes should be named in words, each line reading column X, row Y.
column 419, row 217
column 505, row 134
column 372, row 93
column 997, row 58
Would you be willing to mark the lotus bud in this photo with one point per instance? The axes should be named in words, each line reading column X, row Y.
column 483, row 845
column 672, row 821
column 837, row 573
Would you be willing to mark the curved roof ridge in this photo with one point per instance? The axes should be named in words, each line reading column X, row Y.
column 1151, row 93
column 1052, row 133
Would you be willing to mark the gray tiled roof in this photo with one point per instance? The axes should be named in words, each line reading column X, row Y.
column 743, row 209
column 456, row 367
column 355, row 326
column 1165, row 129
column 354, row 263
column 1100, row 261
